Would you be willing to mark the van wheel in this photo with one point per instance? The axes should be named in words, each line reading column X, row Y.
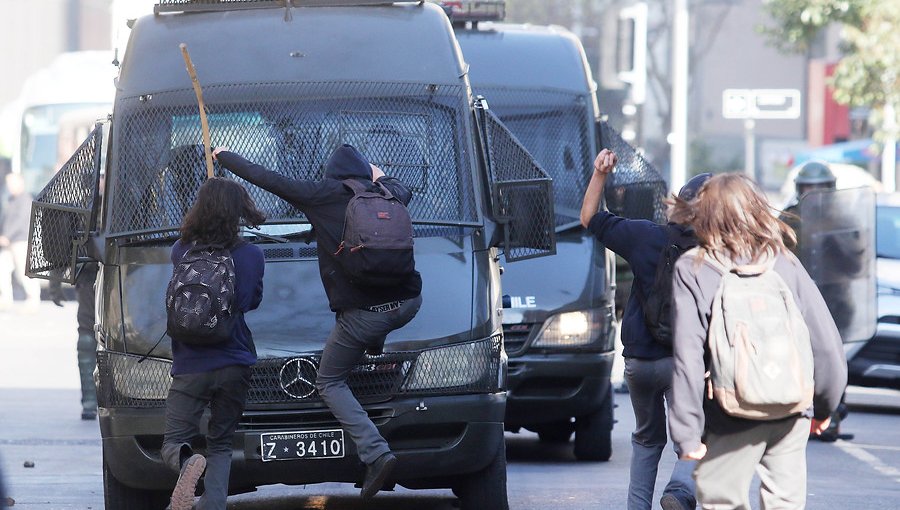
column 559, row 432
column 118, row 496
column 593, row 433
column 486, row 488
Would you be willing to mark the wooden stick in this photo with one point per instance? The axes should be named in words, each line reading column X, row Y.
column 204, row 125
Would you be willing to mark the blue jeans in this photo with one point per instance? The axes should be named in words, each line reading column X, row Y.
column 355, row 332
column 225, row 392
column 650, row 387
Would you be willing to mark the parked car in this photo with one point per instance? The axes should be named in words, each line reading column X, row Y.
column 877, row 361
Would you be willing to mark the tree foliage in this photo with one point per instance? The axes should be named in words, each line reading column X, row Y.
column 869, row 73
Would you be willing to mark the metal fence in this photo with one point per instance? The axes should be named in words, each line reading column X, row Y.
column 522, row 193
column 415, row 132
column 557, row 129
column 130, row 380
column 62, row 214
column 635, row 189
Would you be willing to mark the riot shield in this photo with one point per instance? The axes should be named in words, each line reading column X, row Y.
column 837, row 247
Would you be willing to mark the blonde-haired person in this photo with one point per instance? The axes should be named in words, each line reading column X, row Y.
column 733, row 221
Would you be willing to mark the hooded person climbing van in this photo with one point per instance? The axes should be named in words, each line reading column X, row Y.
column 365, row 312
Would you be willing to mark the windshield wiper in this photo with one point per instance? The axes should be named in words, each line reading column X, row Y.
column 268, row 237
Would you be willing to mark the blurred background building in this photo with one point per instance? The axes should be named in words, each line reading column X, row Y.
column 732, row 69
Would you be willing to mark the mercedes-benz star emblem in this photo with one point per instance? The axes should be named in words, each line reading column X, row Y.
column 298, row 377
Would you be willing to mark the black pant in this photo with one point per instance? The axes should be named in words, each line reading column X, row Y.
column 225, row 392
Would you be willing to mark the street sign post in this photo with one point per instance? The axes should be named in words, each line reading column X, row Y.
column 761, row 104
column 756, row 104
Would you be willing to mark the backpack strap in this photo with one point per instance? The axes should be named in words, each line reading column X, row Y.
column 358, row 188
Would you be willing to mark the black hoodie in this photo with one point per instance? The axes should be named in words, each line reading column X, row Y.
column 324, row 203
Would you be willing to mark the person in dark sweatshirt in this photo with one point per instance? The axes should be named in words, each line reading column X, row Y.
column 733, row 222
column 218, row 375
column 648, row 363
column 364, row 314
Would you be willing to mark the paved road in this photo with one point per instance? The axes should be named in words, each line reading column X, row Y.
column 39, row 422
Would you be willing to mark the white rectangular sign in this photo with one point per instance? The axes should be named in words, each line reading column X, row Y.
column 761, row 104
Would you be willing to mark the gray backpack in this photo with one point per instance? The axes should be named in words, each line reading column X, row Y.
column 377, row 244
column 761, row 360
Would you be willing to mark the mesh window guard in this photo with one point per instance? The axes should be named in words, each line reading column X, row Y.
column 522, row 192
column 62, row 214
column 557, row 129
column 415, row 132
column 635, row 189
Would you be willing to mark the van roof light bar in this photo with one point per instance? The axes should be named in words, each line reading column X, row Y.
column 232, row 5
column 462, row 11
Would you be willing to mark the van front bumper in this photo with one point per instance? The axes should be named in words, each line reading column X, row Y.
column 435, row 438
column 545, row 388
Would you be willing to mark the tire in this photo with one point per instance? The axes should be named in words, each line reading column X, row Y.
column 118, row 496
column 559, row 432
column 485, row 489
column 593, row 433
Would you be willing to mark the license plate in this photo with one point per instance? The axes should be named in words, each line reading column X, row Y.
column 303, row 444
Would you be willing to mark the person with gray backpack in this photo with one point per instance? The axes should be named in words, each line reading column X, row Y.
column 757, row 354
column 216, row 279
column 364, row 242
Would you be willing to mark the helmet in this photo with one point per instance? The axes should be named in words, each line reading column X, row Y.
column 815, row 172
column 689, row 191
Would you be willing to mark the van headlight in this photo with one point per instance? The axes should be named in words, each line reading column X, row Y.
column 572, row 329
column 472, row 366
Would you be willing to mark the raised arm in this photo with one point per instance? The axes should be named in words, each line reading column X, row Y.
column 298, row 192
column 603, row 166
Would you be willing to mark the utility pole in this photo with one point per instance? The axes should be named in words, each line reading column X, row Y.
column 678, row 136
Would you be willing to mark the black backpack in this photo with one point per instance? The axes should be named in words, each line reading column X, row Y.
column 657, row 306
column 200, row 297
column 377, row 242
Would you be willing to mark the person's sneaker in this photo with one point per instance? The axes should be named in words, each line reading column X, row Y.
column 376, row 474
column 186, row 487
column 670, row 502
column 89, row 414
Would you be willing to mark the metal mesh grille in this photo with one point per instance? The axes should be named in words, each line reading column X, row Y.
column 522, row 191
column 415, row 132
column 61, row 214
column 471, row 367
column 635, row 189
column 557, row 129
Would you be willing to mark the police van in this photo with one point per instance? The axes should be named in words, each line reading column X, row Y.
column 284, row 83
column 559, row 322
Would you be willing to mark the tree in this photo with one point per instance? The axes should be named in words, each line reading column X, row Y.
column 869, row 73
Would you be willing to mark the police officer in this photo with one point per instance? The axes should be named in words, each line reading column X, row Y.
column 816, row 175
column 812, row 175
column 87, row 342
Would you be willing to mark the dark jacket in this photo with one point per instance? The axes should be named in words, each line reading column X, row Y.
column 694, row 287
column 640, row 243
column 324, row 203
column 249, row 266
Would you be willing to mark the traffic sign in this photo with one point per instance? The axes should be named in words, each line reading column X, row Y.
column 761, row 103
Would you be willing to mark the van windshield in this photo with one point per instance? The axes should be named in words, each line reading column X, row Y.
column 557, row 128
column 415, row 132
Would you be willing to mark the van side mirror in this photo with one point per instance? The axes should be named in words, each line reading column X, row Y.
column 521, row 191
column 635, row 189
column 63, row 214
